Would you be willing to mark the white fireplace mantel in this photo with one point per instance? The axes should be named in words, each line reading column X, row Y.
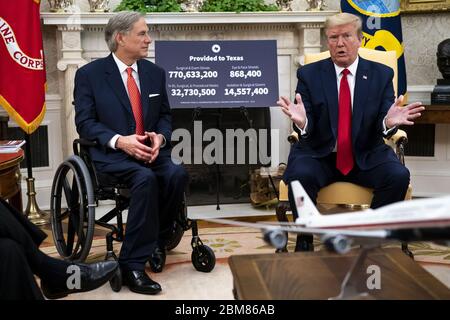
column 86, row 18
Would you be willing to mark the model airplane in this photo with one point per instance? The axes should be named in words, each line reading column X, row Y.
column 421, row 219
column 404, row 214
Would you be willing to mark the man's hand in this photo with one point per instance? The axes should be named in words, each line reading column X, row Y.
column 156, row 140
column 134, row 145
column 296, row 112
column 399, row 115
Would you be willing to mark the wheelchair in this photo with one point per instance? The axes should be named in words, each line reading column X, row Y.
column 77, row 190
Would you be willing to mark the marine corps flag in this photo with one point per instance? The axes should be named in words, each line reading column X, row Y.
column 382, row 29
column 22, row 73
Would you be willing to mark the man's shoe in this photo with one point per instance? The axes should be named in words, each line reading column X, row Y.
column 140, row 282
column 92, row 276
column 157, row 260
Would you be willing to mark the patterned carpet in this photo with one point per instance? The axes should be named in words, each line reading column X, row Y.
column 181, row 281
column 226, row 241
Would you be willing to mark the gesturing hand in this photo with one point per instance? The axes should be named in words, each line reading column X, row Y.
column 399, row 115
column 296, row 112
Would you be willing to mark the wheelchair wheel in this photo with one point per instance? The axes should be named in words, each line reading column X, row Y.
column 72, row 210
column 203, row 258
column 178, row 227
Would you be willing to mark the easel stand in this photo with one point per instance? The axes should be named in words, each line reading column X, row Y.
column 244, row 112
column 218, row 113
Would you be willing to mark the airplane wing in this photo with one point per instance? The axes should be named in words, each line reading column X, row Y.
column 340, row 240
column 292, row 227
column 335, row 240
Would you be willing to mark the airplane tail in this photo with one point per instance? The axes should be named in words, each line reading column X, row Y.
column 305, row 207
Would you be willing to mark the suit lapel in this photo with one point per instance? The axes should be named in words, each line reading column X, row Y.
column 329, row 82
column 114, row 80
column 145, row 84
column 362, row 82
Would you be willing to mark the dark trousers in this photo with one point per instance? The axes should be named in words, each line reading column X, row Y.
column 20, row 257
column 16, row 277
column 156, row 197
column 389, row 180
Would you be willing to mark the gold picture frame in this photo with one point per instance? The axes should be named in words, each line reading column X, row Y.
column 417, row 6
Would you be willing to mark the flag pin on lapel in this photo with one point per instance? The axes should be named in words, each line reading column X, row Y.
column 364, row 77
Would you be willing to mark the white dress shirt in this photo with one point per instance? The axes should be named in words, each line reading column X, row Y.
column 124, row 74
column 350, row 77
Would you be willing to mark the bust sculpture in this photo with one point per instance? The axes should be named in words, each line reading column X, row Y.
column 59, row 5
column 443, row 58
column 315, row 5
column 192, row 5
column 441, row 92
column 284, row 5
column 99, row 5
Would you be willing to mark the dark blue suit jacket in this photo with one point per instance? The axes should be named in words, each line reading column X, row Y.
column 373, row 96
column 103, row 108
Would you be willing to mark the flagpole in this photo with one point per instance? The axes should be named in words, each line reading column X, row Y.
column 33, row 213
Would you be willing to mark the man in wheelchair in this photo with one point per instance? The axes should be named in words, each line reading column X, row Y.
column 122, row 104
column 344, row 107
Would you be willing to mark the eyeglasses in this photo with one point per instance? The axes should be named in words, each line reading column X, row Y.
column 345, row 37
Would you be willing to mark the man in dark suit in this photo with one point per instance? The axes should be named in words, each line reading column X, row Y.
column 344, row 107
column 21, row 259
column 121, row 102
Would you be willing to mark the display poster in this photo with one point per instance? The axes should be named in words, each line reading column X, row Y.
column 219, row 74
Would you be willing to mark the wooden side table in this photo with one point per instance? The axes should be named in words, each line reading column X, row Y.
column 435, row 114
column 10, row 178
column 318, row 275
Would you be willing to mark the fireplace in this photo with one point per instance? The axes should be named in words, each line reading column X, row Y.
column 223, row 147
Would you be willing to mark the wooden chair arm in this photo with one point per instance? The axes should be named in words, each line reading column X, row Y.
column 293, row 137
column 398, row 142
column 399, row 137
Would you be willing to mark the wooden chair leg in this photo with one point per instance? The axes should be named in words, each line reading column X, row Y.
column 280, row 210
column 406, row 250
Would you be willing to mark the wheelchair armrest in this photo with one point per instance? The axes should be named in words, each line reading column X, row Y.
column 82, row 143
column 81, row 149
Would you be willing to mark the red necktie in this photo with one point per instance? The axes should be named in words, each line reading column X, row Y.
column 344, row 157
column 135, row 100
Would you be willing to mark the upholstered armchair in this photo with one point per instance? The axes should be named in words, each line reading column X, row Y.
column 345, row 193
